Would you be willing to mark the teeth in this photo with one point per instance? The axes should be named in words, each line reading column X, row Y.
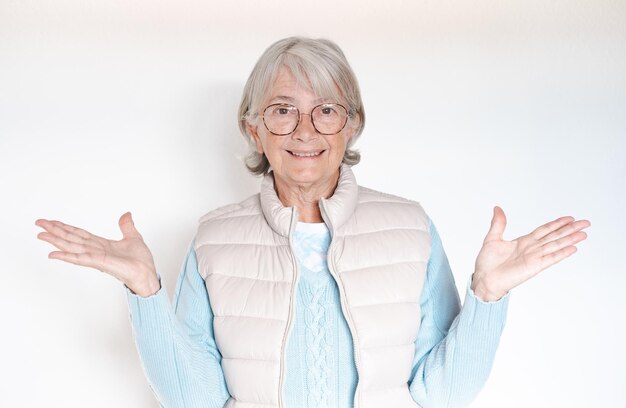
column 306, row 154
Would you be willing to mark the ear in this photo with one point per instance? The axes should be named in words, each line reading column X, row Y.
column 257, row 140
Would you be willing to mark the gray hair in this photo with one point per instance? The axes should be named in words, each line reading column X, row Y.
column 317, row 64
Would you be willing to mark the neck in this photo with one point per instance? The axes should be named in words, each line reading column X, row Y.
column 305, row 197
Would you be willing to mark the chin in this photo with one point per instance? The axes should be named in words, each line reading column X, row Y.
column 306, row 172
column 307, row 176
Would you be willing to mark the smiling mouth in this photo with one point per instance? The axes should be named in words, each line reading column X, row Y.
column 306, row 154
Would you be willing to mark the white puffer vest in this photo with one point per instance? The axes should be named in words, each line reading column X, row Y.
column 378, row 255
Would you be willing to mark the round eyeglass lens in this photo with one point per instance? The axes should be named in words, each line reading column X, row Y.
column 329, row 118
column 280, row 118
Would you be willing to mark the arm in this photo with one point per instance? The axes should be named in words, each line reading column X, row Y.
column 176, row 345
column 455, row 347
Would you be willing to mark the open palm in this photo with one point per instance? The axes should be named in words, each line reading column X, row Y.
column 502, row 265
column 128, row 259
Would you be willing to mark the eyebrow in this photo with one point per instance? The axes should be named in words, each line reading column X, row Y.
column 292, row 100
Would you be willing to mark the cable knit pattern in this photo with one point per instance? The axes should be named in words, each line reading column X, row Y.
column 311, row 245
column 316, row 357
column 323, row 367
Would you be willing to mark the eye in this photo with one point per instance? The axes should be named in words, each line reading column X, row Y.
column 328, row 110
column 282, row 110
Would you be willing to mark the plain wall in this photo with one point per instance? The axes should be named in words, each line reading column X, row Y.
column 109, row 106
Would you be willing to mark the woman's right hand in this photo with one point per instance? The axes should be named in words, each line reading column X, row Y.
column 128, row 259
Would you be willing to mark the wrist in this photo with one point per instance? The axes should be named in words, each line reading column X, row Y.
column 484, row 289
column 147, row 286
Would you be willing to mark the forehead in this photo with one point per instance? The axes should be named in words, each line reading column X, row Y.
column 299, row 88
column 287, row 84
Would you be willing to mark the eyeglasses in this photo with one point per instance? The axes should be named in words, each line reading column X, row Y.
column 282, row 119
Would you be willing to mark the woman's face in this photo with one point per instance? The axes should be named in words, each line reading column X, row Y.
column 284, row 153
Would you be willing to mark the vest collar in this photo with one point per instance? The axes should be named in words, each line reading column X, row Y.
column 336, row 210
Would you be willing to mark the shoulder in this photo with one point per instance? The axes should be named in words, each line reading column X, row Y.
column 240, row 225
column 380, row 205
column 249, row 206
column 232, row 223
column 374, row 197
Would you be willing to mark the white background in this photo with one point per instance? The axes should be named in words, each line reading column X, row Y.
column 109, row 106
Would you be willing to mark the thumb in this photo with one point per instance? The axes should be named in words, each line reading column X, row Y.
column 128, row 226
column 498, row 223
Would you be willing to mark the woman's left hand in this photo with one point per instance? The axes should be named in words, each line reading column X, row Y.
column 502, row 265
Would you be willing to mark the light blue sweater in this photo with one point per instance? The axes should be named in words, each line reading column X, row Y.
column 454, row 350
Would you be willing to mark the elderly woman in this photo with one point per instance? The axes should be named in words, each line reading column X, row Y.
column 316, row 292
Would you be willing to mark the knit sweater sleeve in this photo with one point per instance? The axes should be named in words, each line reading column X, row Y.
column 176, row 344
column 455, row 347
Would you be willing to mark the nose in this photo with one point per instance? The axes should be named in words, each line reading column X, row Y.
column 305, row 130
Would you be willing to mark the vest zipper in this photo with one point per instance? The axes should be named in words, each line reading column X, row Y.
column 342, row 295
column 292, row 302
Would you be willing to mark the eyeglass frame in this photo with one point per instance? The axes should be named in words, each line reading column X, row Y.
column 348, row 116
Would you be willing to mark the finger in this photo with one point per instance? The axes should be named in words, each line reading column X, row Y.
column 566, row 230
column 556, row 257
column 127, row 226
column 76, row 259
column 48, row 225
column 561, row 243
column 498, row 223
column 54, row 228
column 75, row 230
column 62, row 244
column 547, row 228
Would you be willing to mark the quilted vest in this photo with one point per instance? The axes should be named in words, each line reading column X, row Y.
column 378, row 254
